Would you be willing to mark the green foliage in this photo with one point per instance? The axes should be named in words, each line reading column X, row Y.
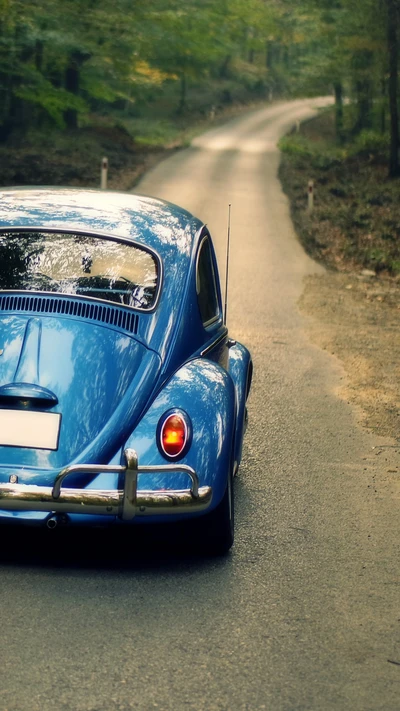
column 52, row 100
column 356, row 217
column 73, row 56
column 66, row 59
column 321, row 155
column 252, row 76
column 152, row 132
column 370, row 142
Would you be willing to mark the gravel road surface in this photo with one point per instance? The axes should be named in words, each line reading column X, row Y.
column 304, row 613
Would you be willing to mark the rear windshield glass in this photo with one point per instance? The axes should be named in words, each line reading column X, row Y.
column 96, row 267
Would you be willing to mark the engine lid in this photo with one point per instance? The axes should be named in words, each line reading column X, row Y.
column 83, row 385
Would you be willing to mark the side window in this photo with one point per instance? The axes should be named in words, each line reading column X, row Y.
column 206, row 285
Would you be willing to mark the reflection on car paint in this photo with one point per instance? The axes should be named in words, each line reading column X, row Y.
column 112, row 380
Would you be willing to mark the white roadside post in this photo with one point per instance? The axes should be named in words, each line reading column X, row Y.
column 103, row 175
column 310, row 205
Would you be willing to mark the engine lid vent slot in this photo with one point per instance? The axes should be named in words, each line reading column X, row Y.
column 111, row 315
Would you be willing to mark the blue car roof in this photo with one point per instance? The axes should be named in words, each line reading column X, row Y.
column 162, row 226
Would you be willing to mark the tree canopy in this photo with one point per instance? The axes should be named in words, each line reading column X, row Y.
column 61, row 60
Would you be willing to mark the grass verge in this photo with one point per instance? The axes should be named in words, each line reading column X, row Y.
column 355, row 224
column 353, row 309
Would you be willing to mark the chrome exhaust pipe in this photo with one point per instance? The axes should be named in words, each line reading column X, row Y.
column 52, row 522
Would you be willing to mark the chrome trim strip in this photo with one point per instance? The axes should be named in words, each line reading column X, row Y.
column 182, row 468
column 206, row 324
column 20, row 497
column 130, row 485
column 172, row 502
column 214, row 344
column 83, row 469
column 125, row 503
column 218, row 317
column 131, row 460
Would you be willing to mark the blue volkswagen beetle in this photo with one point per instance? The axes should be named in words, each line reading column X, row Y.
column 122, row 399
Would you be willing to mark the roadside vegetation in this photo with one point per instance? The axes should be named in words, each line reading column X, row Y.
column 355, row 223
column 352, row 152
column 354, row 230
column 79, row 79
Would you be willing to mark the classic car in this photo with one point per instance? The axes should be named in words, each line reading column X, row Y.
column 122, row 399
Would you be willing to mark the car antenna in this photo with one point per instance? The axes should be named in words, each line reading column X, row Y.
column 227, row 262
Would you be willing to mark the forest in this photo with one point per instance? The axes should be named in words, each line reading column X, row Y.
column 66, row 65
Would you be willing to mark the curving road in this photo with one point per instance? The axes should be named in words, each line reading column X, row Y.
column 304, row 614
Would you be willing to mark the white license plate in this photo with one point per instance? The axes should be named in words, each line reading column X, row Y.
column 24, row 428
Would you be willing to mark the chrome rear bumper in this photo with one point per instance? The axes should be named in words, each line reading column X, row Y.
column 125, row 503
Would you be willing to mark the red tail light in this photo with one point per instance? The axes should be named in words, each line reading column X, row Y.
column 174, row 435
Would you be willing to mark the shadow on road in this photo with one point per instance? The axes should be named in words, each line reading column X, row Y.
column 142, row 548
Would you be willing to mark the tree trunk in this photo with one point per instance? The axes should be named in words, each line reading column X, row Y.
column 182, row 100
column 384, row 105
column 363, row 89
column 286, row 57
column 269, row 55
column 72, row 76
column 362, row 67
column 13, row 107
column 224, row 69
column 392, row 17
column 39, row 55
column 338, row 88
column 72, row 81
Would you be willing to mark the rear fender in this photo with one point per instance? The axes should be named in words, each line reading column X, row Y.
column 241, row 371
column 205, row 392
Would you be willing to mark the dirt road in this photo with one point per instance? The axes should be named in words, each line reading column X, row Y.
column 304, row 614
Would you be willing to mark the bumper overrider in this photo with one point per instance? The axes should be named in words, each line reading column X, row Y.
column 125, row 503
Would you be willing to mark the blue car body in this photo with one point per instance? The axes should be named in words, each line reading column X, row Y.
column 104, row 375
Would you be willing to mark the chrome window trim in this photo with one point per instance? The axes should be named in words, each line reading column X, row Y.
column 94, row 233
column 206, row 237
column 211, row 321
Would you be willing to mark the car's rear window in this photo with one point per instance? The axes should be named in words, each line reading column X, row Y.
column 95, row 267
